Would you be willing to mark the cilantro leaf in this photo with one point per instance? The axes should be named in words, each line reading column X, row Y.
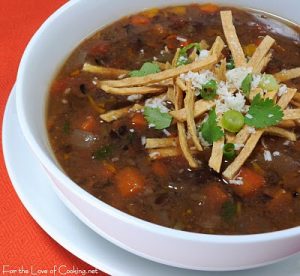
column 246, row 84
column 229, row 210
column 183, row 55
column 210, row 130
column 103, row 153
column 157, row 118
column 147, row 69
column 263, row 113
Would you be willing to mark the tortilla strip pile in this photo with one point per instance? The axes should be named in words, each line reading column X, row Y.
column 188, row 113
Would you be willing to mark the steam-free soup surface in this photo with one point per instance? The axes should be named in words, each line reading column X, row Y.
column 102, row 157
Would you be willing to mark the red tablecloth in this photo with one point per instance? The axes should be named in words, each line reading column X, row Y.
column 22, row 241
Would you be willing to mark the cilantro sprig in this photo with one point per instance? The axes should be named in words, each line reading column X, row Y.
column 246, row 84
column 210, row 130
column 158, row 119
column 263, row 113
column 183, row 53
column 147, row 69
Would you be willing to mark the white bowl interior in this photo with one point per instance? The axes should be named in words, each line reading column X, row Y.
column 57, row 38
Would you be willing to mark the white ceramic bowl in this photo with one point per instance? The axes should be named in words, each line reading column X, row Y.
column 46, row 52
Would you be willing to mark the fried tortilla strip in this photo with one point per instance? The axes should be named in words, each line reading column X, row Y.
column 230, row 137
column 181, row 84
column 220, row 72
column 291, row 114
column 200, row 107
column 238, row 162
column 243, row 135
column 175, row 58
column 104, row 71
column 157, row 77
column 295, row 103
column 289, row 74
column 260, row 52
column 280, row 132
column 264, row 62
column 215, row 160
column 217, row 47
column 189, row 102
column 254, row 92
column 285, row 99
column 182, row 132
column 297, row 97
column 232, row 39
column 153, row 143
column 171, row 94
column 164, row 153
column 126, row 91
column 120, row 113
column 162, row 66
column 287, row 124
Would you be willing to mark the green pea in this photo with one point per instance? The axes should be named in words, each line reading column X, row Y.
column 232, row 120
column 268, row 82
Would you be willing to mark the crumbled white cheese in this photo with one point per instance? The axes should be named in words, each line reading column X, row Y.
column 249, row 116
column 182, row 39
column 236, row 76
column 143, row 140
column 276, row 153
column 182, row 59
column 270, row 115
column 115, row 159
column 121, row 76
column 131, row 130
column 255, row 81
column 238, row 146
column 64, row 101
column 198, row 79
column 286, row 143
column 142, row 51
column 154, row 154
column 157, row 103
column 151, row 125
column 202, row 55
column 282, row 90
column 204, row 143
column 227, row 100
column 155, row 58
column 238, row 181
column 267, row 155
column 134, row 97
column 67, row 91
column 251, row 130
column 166, row 132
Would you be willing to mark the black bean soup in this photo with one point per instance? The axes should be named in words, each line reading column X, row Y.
column 101, row 156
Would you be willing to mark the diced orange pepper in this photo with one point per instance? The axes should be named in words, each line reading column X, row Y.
column 215, row 196
column 108, row 170
column 249, row 49
column 89, row 124
column 139, row 20
column 252, row 182
column 129, row 181
column 138, row 121
column 209, row 8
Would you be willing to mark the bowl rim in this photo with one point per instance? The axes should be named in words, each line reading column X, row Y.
column 58, row 173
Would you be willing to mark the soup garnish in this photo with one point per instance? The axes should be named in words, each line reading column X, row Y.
column 191, row 139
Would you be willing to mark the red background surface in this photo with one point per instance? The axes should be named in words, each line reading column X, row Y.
column 22, row 241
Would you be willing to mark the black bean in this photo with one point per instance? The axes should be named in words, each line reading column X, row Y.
column 113, row 135
column 83, row 88
column 122, row 130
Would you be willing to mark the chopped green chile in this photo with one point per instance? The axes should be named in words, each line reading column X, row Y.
column 229, row 151
column 246, row 84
